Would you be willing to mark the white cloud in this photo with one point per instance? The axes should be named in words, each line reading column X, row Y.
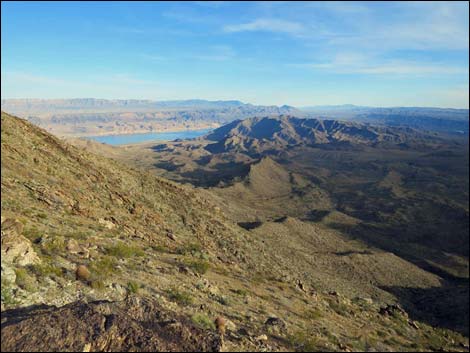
column 267, row 25
column 359, row 63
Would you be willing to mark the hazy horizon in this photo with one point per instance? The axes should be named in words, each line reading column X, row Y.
column 234, row 99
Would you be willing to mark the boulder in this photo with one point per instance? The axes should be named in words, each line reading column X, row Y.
column 275, row 325
column 106, row 223
column 16, row 249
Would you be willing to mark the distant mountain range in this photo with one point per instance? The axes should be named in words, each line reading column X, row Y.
column 90, row 116
column 257, row 135
column 446, row 120
column 43, row 107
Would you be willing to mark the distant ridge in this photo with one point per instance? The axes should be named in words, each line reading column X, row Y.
column 447, row 120
column 37, row 106
column 262, row 134
column 97, row 117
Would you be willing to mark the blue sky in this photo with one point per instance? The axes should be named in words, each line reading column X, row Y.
column 306, row 53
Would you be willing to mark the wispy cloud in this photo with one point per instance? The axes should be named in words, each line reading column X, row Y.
column 351, row 64
column 17, row 76
column 99, row 85
column 217, row 53
column 266, row 25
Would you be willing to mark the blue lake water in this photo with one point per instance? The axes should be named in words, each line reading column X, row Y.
column 148, row 137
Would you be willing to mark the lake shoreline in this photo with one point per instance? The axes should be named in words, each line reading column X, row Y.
column 146, row 137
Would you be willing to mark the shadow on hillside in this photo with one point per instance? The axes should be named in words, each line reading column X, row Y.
column 445, row 307
column 221, row 175
column 250, row 225
column 386, row 238
column 316, row 215
column 13, row 316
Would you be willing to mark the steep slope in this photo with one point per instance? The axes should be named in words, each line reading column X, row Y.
column 150, row 245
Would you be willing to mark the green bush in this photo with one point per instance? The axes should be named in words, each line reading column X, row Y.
column 240, row 292
column 191, row 248
column 133, row 287
column 97, row 284
column 222, row 299
column 8, row 297
column 123, row 250
column 198, row 266
column 314, row 314
column 24, row 280
column 303, row 341
column 32, row 233
column 46, row 270
column 183, row 298
column 55, row 245
column 202, row 321
column 104, row 267
column 159, row 248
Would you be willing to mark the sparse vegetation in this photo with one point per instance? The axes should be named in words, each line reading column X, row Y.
column 32, row 233
column 192, row 249
column 46, row 269
column 222, row 299
column 105, row 267
column 54, row 245
column 284, row 267
column 133, row 287
column 203, row 321
column 24, row 280
column 122, row 250
column 7, row 294
column 180, row 297
column 313, row 314
column 198, row 266
column 302, row 341
column 339, row 308
column 241, row 292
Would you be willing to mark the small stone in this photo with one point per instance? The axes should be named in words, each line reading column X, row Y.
column 364, row 300
column 261, row 338
column 107, row 224
column 230, row 325
column 184, row 269
column 73, row 247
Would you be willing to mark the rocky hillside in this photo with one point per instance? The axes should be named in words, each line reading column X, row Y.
column 100, row 256
column 264, row 134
